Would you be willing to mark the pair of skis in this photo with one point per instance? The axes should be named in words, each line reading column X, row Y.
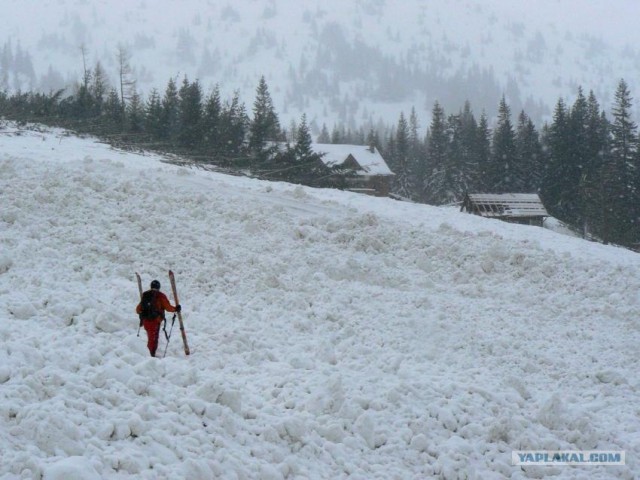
column 172, row 279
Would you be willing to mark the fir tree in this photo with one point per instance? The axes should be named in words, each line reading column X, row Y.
column 190, row 114
column 592, row 190
column 454, row 171
column 621, row 171
column 308, row 166
column 299, row 163
column 466, row 163
column 403, row 184
column 303, row 141
column 211, row 121
column 578, row 158
column 99, row 88
column 112, row 113
column 170, row 113
column 265, row 125
column 482, row 150
column 372, row 139
column 556, row 174
column 336, row 135
column 434, row 182
column 153, row 115
column 324, row 136
column 416, row 158
column 503, row 153
column 233, row 128
column 528, row 155
column 135, row 114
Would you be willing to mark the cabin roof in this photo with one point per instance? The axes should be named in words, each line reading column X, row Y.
column 505, row 205
column 368, row 159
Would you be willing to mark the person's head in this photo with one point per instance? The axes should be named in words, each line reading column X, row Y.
column 155, row 285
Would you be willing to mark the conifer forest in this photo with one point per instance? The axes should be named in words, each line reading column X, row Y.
column 584, row 162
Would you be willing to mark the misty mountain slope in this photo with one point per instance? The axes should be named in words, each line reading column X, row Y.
column 333, row 335
column 351, row 62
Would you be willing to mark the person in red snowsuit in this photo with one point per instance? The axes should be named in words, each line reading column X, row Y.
column 152, row 325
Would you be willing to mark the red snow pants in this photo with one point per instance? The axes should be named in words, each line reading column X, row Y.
column 152, row 328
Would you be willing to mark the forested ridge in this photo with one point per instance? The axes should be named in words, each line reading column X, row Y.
column 584, row 163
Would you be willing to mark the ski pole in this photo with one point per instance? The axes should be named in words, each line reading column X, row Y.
column 173, row 320
column 139, row 290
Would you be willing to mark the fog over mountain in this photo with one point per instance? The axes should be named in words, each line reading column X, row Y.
column 350, row 62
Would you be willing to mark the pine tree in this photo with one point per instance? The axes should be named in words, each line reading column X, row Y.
column 135, row 114
column 303, row 141
column 434, row 182
column 99, row 88
column 578, row 145
column 416, row 159
column 372, row 139
column 233, row 128
column 153, row 115
column 403, row 185
column 190, row 114
column 454, row 171
column 336, row 135
column 292, row 132
column 482, row 150
column 211, row 122
column 112, row 113
column 621, row 173
column 170, row 113
column 308, row 165
column 389, row 150
column 324, row 136
column 556, row 187
column 466, row 163
column 528, row 156
column 265, row 125
column 624, row 139
column 503, row 153
column 592, row 190
column 299, row 163
column 84, row 105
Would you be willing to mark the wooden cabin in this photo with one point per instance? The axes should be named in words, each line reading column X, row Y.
column 523, row 208
column 368, row 171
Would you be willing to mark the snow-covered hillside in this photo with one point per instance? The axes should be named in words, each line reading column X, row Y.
column 353, row 62
column 333, row 335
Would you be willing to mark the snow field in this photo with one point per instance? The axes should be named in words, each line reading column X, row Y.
column 332, row 335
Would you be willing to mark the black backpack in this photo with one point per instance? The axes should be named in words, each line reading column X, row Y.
column 149, row 305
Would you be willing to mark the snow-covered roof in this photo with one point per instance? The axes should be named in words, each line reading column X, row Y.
column 369, row 159
column 505, row 204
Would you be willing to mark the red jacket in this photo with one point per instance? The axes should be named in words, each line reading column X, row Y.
column 162, row 304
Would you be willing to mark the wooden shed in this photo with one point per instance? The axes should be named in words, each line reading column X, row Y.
column 524, row 208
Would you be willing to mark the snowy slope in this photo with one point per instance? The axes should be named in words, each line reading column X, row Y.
column 338, row 61
column 333, row 335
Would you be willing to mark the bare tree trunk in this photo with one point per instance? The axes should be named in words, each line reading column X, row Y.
column 125, row 73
